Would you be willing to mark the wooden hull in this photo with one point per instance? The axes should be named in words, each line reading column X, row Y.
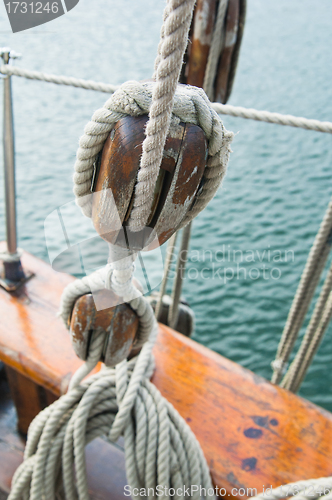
column 253, row 434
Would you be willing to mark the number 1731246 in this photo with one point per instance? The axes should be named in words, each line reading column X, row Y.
column 32, row 7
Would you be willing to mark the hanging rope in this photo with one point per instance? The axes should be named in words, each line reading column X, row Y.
column 312, row 338
column 160, row 448
column 209, row 78
column 305, row 291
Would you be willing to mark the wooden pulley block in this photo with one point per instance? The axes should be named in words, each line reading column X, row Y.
column 120, row 323
column 202, row 28
column 179, row 179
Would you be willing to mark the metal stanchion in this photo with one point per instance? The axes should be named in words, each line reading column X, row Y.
column 12, row 275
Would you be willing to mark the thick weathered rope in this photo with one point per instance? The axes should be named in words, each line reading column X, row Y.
column 305, row 291
column 191, row 105
column 277, row 118
column 223, row 109
column 312, row 338
column 177, row 20
column 160, row 448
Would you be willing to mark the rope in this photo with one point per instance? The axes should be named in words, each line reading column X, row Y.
column 209, row 77
column 11, row 257
column 160, row 448
column 167, row 267
column 217, row 43
column 177, row 20
column 298, row 490
column 305, row 291
column 311, row 339
column 190, row 105
column 223, row 109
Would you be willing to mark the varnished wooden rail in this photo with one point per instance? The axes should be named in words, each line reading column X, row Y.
column 252, row 433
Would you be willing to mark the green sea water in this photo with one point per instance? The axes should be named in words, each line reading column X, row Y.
column 250, row 245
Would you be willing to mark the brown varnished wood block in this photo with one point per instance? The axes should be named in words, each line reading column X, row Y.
column 179, row 178
column 188, row 174
column 116, row 176
column 234, row 28
column 252, row 433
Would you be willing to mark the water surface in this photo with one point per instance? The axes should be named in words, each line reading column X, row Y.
column 250, row 245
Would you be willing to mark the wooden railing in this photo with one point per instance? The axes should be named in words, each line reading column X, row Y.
column 253, row 434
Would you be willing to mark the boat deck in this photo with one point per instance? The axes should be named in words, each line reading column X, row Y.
column 253, row 433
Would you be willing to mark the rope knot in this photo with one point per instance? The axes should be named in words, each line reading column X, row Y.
column 189, row 105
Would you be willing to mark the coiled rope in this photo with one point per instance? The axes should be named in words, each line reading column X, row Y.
column 223, row 109
column 160, row 448
column 69, row 81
